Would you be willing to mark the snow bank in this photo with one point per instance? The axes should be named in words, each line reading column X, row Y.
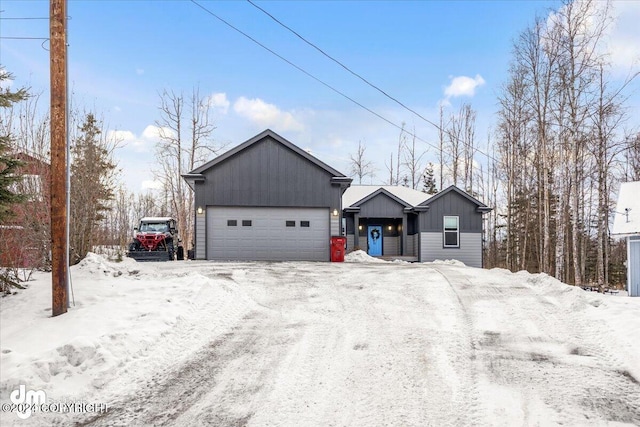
column 611, row 320
column 449, row 262
column 361, row 256
column 128, row 319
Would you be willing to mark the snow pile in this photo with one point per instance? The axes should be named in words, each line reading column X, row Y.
column 615, row 319
column 129, row 318
column 449, row 262
column 360, row 256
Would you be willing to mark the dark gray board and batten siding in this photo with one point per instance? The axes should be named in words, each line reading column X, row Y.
column 381, row 206
column 268, row 174
column 451, row 204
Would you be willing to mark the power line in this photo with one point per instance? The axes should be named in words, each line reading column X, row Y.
column 401, row 128
column 24, row 38
column 25, row 19
column 343, row 66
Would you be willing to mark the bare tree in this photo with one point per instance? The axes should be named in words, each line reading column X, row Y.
column 185, row 130
column 413, row 161
column 360, row 166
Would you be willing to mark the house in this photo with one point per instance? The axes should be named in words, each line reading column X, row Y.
column 24, row 237
column 266, row 199
column 626, row 223
column 401, row 222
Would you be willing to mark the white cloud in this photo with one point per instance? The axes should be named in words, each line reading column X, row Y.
column 121, row 136
column 463, row 86
column 152, row 133
column 266, row 115
column 623, row 42
column 219, row 101
column 150, row 184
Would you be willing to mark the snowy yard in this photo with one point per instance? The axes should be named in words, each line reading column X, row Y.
column 359, row 343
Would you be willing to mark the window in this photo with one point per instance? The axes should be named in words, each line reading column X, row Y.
column 290, row 223
column 451, row 235
column 232, row 223
column 246, row 223
column 304, row 224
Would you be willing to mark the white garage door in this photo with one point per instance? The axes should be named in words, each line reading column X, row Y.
column 273, row 234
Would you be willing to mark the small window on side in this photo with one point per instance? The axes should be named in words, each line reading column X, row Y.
column 304, row 224
column 451, row 232
column 232, row 223
column 290, row 223
column 246, row 223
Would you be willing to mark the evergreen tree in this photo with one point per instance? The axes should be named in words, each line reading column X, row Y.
column 91, row 187
column 429, row 180
column 8, row 164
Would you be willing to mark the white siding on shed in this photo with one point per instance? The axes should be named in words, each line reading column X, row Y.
column 265, row 234
column 633, row 266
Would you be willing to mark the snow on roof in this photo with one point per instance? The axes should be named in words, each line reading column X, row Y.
column 627, row 215
column 355, row 193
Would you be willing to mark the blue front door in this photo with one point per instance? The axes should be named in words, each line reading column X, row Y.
column 374, row 240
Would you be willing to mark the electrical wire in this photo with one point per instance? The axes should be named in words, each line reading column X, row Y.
column 24, row 38
column 314, row 77
column 344, row 66
column 401, row 128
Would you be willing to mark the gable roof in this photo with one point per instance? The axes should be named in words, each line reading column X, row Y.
column 480, row 207
column 627, row 216
column 356, row 195
column 266, row 134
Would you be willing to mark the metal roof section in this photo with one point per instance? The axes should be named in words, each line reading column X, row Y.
column 626, row 221
column 481, row 207
column 358, row 194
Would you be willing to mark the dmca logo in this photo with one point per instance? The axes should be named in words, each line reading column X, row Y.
column 27, row 401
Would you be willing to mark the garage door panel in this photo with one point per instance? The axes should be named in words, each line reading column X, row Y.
column 268, row 237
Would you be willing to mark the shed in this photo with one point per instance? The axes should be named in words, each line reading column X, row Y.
column 626, row 223
column 266, row 199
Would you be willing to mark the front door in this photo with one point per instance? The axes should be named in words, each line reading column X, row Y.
column 374, row 240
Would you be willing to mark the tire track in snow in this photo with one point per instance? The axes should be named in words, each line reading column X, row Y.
column 529, row 352
column 463, row 353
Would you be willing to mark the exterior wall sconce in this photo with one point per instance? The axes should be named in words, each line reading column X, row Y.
column 200, row 210
column 335, row 212
column 360, row 227
column 390, row 227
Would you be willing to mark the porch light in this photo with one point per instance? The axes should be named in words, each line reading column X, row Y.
column 390, row 227
column 335, row 212
column 200, row 210
column 360, row 227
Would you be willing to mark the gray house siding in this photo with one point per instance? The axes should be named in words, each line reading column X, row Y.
column 261, row 174
column 381, row 207
column 200, row 236
column 451, row 203
column 469, row 252
column 268, row 174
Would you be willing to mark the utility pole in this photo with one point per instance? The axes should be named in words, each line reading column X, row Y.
column 59, row 215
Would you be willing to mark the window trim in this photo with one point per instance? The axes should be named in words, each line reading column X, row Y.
column 446, row 231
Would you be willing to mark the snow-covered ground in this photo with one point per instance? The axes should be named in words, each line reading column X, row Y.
column 360, row 343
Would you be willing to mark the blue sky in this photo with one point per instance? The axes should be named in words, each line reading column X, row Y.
column 123, row 53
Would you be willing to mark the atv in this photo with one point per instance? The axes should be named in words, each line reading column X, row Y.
column 154, row 240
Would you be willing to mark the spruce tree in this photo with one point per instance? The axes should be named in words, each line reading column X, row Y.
column 8, row 164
